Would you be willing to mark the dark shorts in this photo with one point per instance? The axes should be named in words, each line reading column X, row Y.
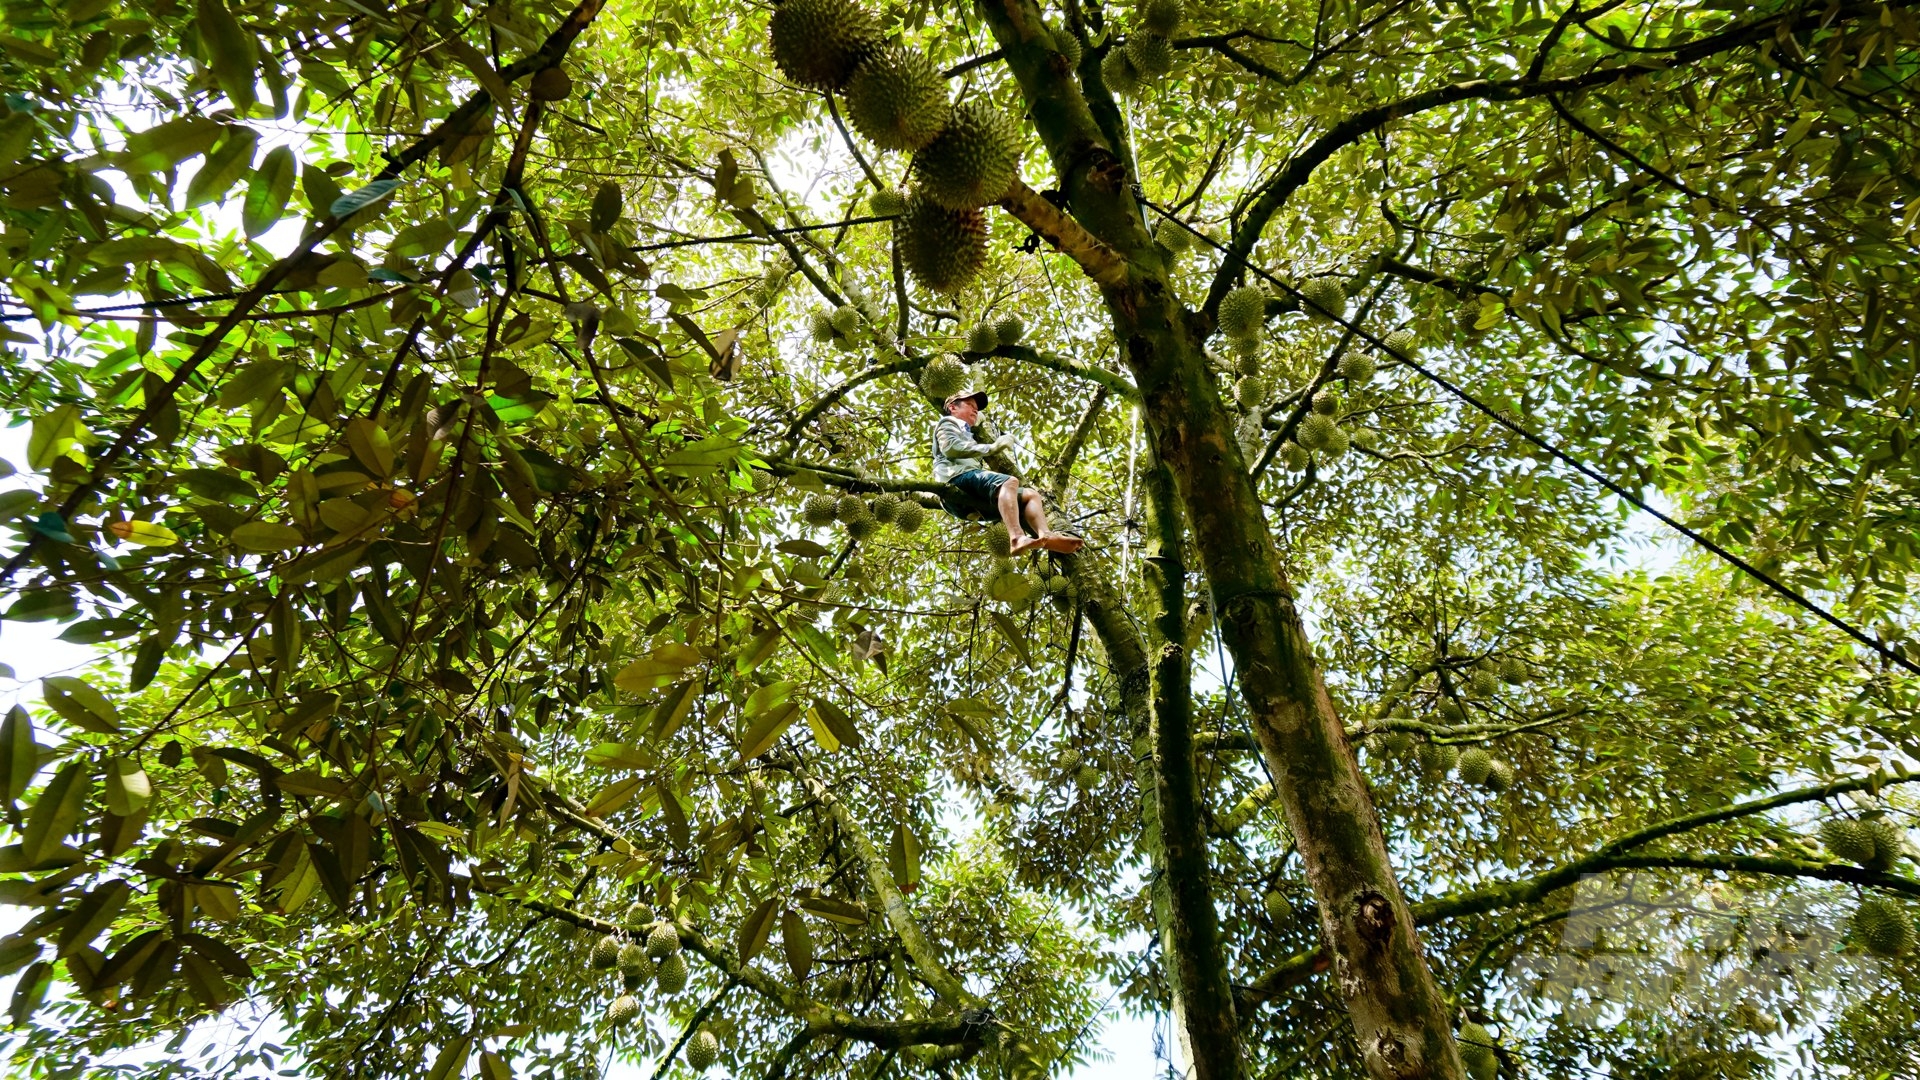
column 979, row 494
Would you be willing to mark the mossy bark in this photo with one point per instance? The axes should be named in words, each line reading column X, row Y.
column 1400, row 1020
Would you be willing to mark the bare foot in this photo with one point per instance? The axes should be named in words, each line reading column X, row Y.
column 1060, row 542
column 1024, row 543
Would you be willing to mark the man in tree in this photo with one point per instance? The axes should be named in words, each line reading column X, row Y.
column 959, row 459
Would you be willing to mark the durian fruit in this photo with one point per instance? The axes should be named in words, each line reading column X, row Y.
column 999, row 542
column 909, row 516
column 861, row 528
column 634, row 960
column 1483, row 684
column 623, row 1009
column 1325, row 297
column 1009, row 329
column 944, row 377
column 632, row 984
column 1357, row 368
column 1439, row 757
column 1065, row 596
column 1246, row 355
column 671, row 977
column 851, row 508
column 944, row 249
column 819, row 510
column 1067, row 45
column 1036, row 585
column 836, row 987
column 1117, row 70
column 1069, row 759
column 1397, row 743
column 884, row 507
column 1450, row 711
column 1278, row 907
column 898, row 98
column 606, row 953
column 974, row 159
column 1326, row 401
column 639, row 915
column 1059, row 583
column 845, row 319
column 1161, row 17
column 702, row 1050
column 1475, row 766
column 1087, row 777
column 819, row 43
column 1249, row 391
column 1402, row 342
column 1172, row 237
column 1887, row 843
column 820, row 325
column 1850, row 840
column 1243, row 311
column 1315, row 431
column 1294, row 456
column 1152, row 55
column 1882, row 926
column 663, row 941
column 1477, row 1052
column 1513, row 670
column 887, row 203
column 1499, row 777
column 1366, row 437
column 982, row 339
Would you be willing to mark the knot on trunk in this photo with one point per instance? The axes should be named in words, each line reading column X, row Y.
column 1106, row 173
column 1374, row 918
column 1391, row 1055
column 1171, row 650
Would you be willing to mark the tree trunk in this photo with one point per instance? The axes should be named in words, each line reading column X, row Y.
column 1399, row 1018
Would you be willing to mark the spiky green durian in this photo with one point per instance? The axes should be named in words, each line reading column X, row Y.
column 1326, row 401
column 1243, row 311
column 1058, row 583
column 1477, row 1052
column 1316, row 430
column 623, row 1009
column 1475, row 766
column 1883, row 927
column 999, row 542
column 1483, row 684
column 1068, row 759
column 819, row 43
column 606, row 952
column 1067, row 45
column 850, row 507
column 909, row 516
column 974, row 159
column 819, row 510
column 1119, row 73
column 1278, row 907
column 1088, row 776
column 883, row 507
column 861, row 528
column 1513, row 670
column 1247, row 361
column 1009, row 329
column 1294, row 456
column 944, row 377
column 1396, row 743
column 634, row 960
column 898, row 98
column 1450, row 711
column 1402, row 342
column 1249, row 390
column 982, row 339
column 845, row 319
column 944, row 249
column 1499, row 777
column 702, row 1050
column 1324, row 296
column 1439, row 757
column 888, row 203
column 1161, row 17
column 663, row 940
column 1173, row 237
column 1357, row 368
column 1850, row 840
column 820, row 325
column 671, row 977
column 1152, row 55
column 639, row 915
column 1339, row 442
column 1888, row 842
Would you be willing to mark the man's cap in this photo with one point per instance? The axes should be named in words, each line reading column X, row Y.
column 979, row 396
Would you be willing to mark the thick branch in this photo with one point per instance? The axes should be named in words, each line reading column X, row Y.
column 1100, row 262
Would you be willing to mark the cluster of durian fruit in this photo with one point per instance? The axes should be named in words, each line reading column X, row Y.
column 862, row 517
column 1146, row 57
column 1880, row 925
column 1070, row 762
column 988, row 336
column 1475, row 766
column 1006, row 583
column 645, row 950
column 965, row 155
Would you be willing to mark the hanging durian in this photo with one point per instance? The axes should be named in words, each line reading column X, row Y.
column 1483, row 684
column 999, row 542
column 819, row 510
column 1316, row 430
column 1161, row 17
column 1882, row 926
column 1477, row 1052
column 1325, row 297
column 973, row 161
column 663, row 940
column 982, row 339
column 1475, row 766
column 944, row 377
column 819, row 43
column 1439, row 757
column 850, row 508
column 898, row 98
column 1173, row 237
column 944, row 249
column 1326, row 401
column 909, row 516
column 820, row 325
column 1243, row 311
column 1357, row 368
column 703, row 1050
column 1249, row 391
column 1009, row 329
column 1401, row 342
column 1513, row 670
column 888, row 203
column 883, row 507
column 623, row 1009
column 1152, row 55
column 1294, row 456
column 1067, row 45
column 606, row 953
column 634, row 960
column 671, row 977
column 1119, row 73
column 1279, row 909
column 845, row 319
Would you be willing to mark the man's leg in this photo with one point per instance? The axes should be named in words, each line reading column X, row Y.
column 1035, row 510
column 1010, row 503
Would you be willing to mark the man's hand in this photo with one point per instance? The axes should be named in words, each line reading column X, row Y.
column 1002, row 443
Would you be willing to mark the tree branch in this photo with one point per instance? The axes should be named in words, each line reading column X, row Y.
column 1100, row 262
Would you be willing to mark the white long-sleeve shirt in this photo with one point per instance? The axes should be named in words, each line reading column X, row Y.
column 955, row 450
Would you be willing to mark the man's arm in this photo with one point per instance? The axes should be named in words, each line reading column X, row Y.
column 954, row 440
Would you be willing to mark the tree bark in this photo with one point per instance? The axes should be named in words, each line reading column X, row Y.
column 1399, row 1018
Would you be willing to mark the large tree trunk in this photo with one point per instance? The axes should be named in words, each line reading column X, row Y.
column 1399, row 1017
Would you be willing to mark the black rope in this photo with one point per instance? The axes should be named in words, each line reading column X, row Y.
column 1745, row 567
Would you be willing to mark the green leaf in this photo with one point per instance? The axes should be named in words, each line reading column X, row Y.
column 673, row 709
column 606, row 207
column 127, row 787
column 223, row 167
column 1014, row 635
column 230, row 49
column 614, row 796
column 613, row 755
column 19, row 754
column 77, row 701
column 267, row 536
column 55, row 433
column 55, row 812
column 766, row 729
column 657, row 668
column 797, row 940
column 768, row 696
column 451, row 1062
column 355, row 201
column 805, row 549
column 167, row 145
column 903, row 858
column 268, row 190
column 837, row 721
